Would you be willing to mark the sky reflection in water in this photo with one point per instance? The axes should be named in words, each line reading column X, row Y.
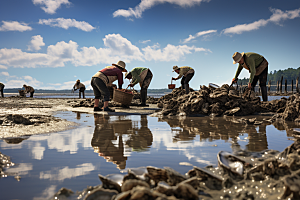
column 105, row 144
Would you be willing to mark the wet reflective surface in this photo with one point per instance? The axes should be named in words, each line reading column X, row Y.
column 106, row 144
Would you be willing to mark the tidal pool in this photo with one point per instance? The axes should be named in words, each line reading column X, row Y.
column 106, row 144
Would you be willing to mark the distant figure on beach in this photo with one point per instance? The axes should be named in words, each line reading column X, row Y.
column 143, row 76
column 257, row 66
column 104, row 78
column 1, row 89
column 187, row 74
column 28, row 89
column 80, row 86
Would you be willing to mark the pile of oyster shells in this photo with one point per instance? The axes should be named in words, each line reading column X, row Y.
column 244, row 175
column 226, row 101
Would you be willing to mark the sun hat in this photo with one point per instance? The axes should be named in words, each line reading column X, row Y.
column 127, row 74
column 237, row 57
column 175, row 68
column 122, row 65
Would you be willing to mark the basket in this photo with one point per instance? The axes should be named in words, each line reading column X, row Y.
column 123, row 96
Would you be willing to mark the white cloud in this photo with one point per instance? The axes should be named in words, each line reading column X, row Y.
column 115, row 48
column 277, row 17
column 169, row 53
column 50, row 6
column 67, row 23
column 3, row 67
column 36, row 43
column 18, row 82
column 147, row 4
column 18, row 58
column 145, row 41
column 191, row 37
column 5, row 73
column 15, row 26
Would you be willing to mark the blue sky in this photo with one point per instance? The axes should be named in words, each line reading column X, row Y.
column 49, row 44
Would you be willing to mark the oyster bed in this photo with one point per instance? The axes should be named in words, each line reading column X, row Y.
column 226, row 101
column 266, row 175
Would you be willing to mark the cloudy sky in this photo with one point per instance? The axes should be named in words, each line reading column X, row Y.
column 49, row 44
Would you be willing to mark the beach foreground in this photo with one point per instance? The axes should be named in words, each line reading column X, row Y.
column 244, row 174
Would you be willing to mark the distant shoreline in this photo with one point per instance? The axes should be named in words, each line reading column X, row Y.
column 16, row 90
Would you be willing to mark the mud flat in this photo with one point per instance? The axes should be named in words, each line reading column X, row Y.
column 30, row 116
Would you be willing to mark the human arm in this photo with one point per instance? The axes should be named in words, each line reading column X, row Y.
column 120, row 79
column 238, row 71
column 251, row 65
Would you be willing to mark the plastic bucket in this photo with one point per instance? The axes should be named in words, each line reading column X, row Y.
column 171, row 86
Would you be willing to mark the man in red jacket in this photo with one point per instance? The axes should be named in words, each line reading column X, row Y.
column 104, row 78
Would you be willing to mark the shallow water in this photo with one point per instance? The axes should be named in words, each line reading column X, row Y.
column 105, row 144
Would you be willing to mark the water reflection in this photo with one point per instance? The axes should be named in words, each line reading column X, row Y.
column 108, row 136
column 104, row 135
column 141, row 138
column 227, row 129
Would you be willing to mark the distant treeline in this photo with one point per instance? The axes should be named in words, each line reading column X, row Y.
column 16, row 90
column 274, row 76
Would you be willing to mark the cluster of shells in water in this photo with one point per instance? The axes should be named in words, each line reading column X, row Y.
column 243, row 175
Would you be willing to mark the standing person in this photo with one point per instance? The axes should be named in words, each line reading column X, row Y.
column 104, row 78
column 187, row 74
column 257, row 66
column 1, row 89
column 143, row 76
column 80, row 86
column 28, row 89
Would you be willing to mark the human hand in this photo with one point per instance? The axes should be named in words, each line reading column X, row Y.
column 173, row 78
column 234, row 80
column 249, row 86
column 130, row 85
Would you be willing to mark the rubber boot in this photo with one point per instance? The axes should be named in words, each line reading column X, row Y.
column 264, row 93
column 83, row 94
column 79, row 94
column 187, row 88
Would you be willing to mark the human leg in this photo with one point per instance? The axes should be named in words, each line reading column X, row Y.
column 263, row 84
column 253, row 84
column 31, row 94
column 186, row 82
column 102, row 88
column 97, row 93
column 144, row 87
column 182, row 83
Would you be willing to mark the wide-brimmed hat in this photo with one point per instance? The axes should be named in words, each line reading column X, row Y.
column 127, row 74
column 175, row 68
column 122, row 65
column 237, row 57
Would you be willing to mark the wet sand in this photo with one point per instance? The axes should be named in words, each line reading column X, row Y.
column 40, row 111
